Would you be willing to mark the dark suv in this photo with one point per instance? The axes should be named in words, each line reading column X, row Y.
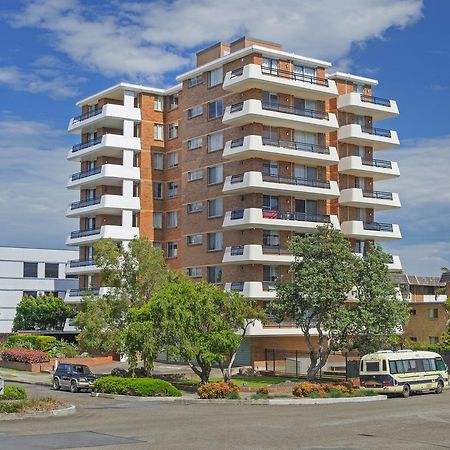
column 73, row 376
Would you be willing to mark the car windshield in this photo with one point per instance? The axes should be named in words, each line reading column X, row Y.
column 82, row 370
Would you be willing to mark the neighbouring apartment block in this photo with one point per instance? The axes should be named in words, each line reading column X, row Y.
column 31, row 271
column 254, row 146
column 427, row 299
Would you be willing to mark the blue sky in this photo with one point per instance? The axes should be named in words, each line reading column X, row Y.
column 57, row 51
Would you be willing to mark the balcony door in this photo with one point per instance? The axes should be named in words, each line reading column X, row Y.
column 90, row 194
column 270, row 66
column 271, row 168
column 271, row 134
column 304, row 104
column 304, row 73
column 305, row 172
column 90, row 223
column 309, row 207
column 271, row 238
column 270, row 203
column 270, row 99
column 305, row 137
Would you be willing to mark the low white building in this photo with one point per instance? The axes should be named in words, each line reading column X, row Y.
column 31, row 271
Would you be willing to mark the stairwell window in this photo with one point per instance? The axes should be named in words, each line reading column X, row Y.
column 215, row 142
column 194, row 81
column 215, row 207
column 215, row 175
column 172, row 189
column 194, row 272
column 433, row 313
column 194, row 239
column 172, row 159
column 215, row 109
column 173, row 101
column 215, row 241
column 172, row 130
column 215, row 274
column 195, row 111
column 195, row 175
column 158, row 132
column 195, row 143
column 157, row 190
column 195, row 207
column 172, row 248
column 215, row 77
column 159, row 103
column 158, row 161
column 157, row 220
column 172, row 219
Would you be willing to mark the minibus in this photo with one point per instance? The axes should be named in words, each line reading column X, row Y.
column 403, row 372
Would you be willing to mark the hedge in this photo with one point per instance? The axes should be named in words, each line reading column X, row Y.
column 13, row 393
column 23, row 355
column 141, row 387
column 43, row 343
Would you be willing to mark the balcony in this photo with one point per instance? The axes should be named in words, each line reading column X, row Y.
column 108, row 174
column 106, row 204
column 274, row 329
column 366, row 105
column 108, row 116
column 377, row 200
column 357, row 229
column 377, row 169
column 81, row 267
column 257, row 254
column 254, row 146
column 377, row 138
column 107, row 145
column 261, row 290
column 277, row 115
column 276, row 220
column 257, row 182
column 395, row 264
column 77, row 295
column 277, row 80
column 114, row 232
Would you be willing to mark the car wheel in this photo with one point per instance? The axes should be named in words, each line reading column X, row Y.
column 73, row 387
column 439, row 388
column 56, row 385
column 406, row 391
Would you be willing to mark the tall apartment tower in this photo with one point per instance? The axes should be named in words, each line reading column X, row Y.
column 254, row 146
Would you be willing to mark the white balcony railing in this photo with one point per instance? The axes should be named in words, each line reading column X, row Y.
column 377, row 169
column 367, row 105
column 377, row 200
column 377, row 138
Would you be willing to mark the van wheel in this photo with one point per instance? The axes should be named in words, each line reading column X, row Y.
column 73, row 387
column 406, row 391
column 439, row 388
column 56, row 385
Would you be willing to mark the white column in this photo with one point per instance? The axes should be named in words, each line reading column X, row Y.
column 127, row 188
column 128, row 128
column 127, row 219
column 128, row 99
column 41, row 270
column 128, row 156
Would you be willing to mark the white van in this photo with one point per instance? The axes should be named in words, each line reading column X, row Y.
column 403, row 372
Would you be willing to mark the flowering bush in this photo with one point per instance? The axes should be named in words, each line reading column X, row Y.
column 263, row 391
column 218, row 390
column 307, row 389
column 23, row 355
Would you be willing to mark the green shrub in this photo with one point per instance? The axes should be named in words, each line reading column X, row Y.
column 63, row 349
column 233, row 395
column 13, row 393
column 263, row 391
column 141, row 387
column 260, row 396
column 43, row 343
column 217, row 390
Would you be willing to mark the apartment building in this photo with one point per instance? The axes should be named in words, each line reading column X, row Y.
column 253, row 146
column 427, row 300
column 31, row 271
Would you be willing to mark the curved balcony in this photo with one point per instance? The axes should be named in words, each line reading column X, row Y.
column 257, row 254
column 257, row 182
column 107, row 145
column 114, row 232
column 81, row 267
column 377, row 138
column 366, row 105
column 277, row 80
column 358, row 229
column 77, row 295
column 108, row 116
column 106, row 204
column 254, row 146
column 277, row 115
column 377, row 200
column 377, row 169
column 258, row 290
column 276, row 220
column 109, row 174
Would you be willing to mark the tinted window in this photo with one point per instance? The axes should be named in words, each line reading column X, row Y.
column 51, row 270
column 440, row 365
column 393, row 366
column 384, row 365
column 30, row 270
column 372, row 366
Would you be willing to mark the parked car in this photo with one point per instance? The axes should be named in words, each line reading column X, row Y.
column 73, row 376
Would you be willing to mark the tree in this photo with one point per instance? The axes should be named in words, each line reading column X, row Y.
column 324, row 271
column 194, row 322
column 44, row 312
column 131, row 273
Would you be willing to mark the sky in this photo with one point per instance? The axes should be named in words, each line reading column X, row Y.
column 55, row 52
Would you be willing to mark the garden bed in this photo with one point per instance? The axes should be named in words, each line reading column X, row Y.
column 30, row 406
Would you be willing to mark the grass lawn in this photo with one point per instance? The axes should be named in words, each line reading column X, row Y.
column 247, row 381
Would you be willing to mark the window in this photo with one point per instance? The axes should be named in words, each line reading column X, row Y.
column 159, row 103
column 29, row 293
column 215, row 207
column 158, row 161
column 157, row 190
column 215, row 174
column 271, row 238
column 413, row 312
column 173, row 101
column 215, row 241
column 270, row 203
column 194, row 239
column 172, row 130
column 270, row 66
column 215, row 77
column 172, row 219
column 172, row 189
column 433, row 339
column 271, row 273
column 270, row 168
column 304, row 73
column 429, row 365
column 194, row 207
column 172, row 159
column 172, row 249
column 372, row 366
column 30, row 270
column 194, row 272
column 433, row 313
column 358, row 88
column 214, row 274
column 157, row 244
column 158, row 132
column 215, row 109
column 195, row 143
column 157, row 220
column 440, row 365
column 195, row 80
column 413, row 338
column 195, row 175
column 51, row 270
column 215, row 142
column 195, row 111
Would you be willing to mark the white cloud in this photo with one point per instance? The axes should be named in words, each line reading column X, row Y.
column 33, row 198
column 145, row 40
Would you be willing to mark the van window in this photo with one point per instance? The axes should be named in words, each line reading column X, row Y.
column 372, row 366
column 361, row 366
column 440, row 365
column 429, row 364
column 393, row 367
column 384, row 365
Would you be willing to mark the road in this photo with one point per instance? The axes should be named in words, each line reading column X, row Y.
column 419, row 422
